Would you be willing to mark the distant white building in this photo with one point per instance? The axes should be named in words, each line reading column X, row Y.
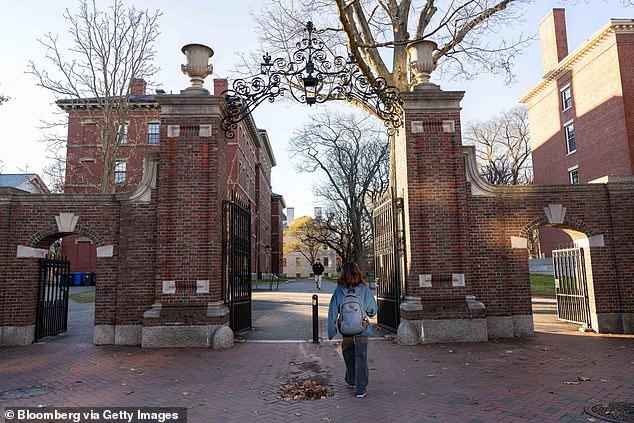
column 295, row 265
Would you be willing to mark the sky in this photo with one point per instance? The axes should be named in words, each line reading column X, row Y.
column 226, row 27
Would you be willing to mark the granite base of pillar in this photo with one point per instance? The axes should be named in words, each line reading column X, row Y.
column 613, row 322
column 187, row 326
column 17, row 335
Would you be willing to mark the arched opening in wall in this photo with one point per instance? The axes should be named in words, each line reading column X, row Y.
column 67, row 281
column 560, row 281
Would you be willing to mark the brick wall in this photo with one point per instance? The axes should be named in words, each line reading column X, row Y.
column 456, row 226
column 277, row 234
column 85, row 154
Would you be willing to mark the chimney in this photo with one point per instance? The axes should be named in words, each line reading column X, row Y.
column 220, row 86
column 553, row 39
column 290, row 215
column 137, row 86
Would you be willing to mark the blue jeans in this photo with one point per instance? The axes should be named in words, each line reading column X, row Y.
column 355, row 354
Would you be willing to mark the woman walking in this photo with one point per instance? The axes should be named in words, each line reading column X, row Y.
column 352, row 300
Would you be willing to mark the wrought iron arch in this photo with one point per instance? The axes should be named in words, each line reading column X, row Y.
column 312, row 76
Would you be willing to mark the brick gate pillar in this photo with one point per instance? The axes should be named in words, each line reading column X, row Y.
column 189, row 308
column 439, row 304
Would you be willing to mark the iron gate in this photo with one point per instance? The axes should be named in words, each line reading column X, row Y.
column 236, row 253
column 571, row 286
column 389, row 259
column 52, row 296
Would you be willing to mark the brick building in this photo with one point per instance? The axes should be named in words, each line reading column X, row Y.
column 277, row 233
column 249, row 163
column 581, row 113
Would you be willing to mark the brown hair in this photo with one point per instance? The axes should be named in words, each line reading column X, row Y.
column 350, row 275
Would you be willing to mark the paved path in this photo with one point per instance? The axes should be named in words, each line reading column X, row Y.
column 286, row 313
column 545, row 378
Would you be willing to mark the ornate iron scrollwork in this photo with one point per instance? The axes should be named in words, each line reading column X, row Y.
column 310, row 77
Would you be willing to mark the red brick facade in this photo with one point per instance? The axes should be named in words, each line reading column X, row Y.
column 277, row 233
column 597, row 78
column 249, row 162
column 467, row 239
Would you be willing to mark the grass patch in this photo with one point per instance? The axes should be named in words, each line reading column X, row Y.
column 84, row 297
column 543, row 285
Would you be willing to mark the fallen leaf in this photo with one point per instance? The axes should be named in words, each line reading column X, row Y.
column 575, row 382
column 129, row 392
column 185, row 393
column 605, row 381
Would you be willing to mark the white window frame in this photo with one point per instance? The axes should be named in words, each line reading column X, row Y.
column 123, row 137
column 120, row 168
column 567, row 125
column 156, row 138
column 575, row 169
column 562, row 90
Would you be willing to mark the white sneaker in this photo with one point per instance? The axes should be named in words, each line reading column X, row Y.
column 361, row 395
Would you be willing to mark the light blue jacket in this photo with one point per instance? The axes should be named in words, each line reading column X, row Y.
column 369, row 305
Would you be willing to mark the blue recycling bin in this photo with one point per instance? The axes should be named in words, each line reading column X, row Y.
column 76, row 278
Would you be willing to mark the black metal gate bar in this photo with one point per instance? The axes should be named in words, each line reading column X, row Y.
column 237, row 261
column 52, row 299
column 388, row 254
column 571, row 286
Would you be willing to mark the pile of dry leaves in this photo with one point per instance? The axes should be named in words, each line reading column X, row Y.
column 306, row 390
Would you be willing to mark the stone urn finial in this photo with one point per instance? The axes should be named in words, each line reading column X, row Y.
column 421, row 63
column 197, row 67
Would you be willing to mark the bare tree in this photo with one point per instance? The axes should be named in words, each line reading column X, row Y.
column 350, row 152
column 109, row 49
column 55, row 171
column 503, row 147
column 377, row 33
column 4, row 99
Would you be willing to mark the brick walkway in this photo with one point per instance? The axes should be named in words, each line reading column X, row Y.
column 507, row 381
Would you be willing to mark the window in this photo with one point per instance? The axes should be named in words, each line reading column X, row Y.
column 325, row 261
column 298, row 262
column 566, row 98
column 153, row 133
column 573, row 175
column 120, row 168
column 571, row 144
column 122, row 131
column 284, row 262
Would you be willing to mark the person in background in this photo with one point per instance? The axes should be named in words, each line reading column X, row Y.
column 318, row 270
column 354, row 348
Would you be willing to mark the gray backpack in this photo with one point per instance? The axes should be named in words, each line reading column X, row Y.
column 351, row 316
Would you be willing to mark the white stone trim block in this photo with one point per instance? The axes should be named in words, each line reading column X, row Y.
column 169, row 287
column 555, row 213
column 424, row 281
column 519, row 242
column 448, row 126
column 204, row 131
column 66, row 222
column 417, row 127
column 105, row 251
column 202, row 287
column 457, row 279
column 173, row 131
column 593, row 241
column 28, row 252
